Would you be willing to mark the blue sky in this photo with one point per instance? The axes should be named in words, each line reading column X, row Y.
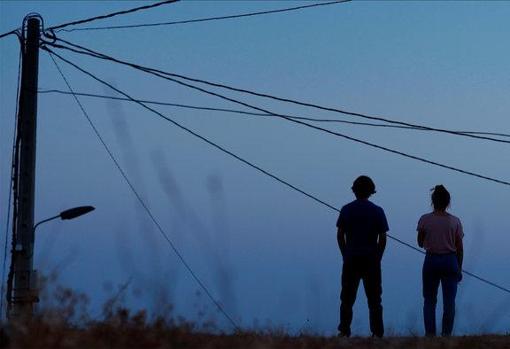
column 267, row 253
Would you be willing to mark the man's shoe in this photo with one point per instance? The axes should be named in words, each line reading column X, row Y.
column 343, row 334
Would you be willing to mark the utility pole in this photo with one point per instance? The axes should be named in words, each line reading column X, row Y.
column 22, row 289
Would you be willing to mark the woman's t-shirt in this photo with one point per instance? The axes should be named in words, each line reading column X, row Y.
column 441, row 232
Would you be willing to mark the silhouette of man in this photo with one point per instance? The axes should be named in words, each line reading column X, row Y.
column 361, row 236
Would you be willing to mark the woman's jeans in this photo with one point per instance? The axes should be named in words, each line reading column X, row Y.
column 438, row 268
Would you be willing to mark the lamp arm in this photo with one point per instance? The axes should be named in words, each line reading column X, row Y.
column 45, row 220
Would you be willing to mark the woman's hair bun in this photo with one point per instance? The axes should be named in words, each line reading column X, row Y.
column 440, row 197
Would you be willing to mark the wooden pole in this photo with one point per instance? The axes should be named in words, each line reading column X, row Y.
column 24, row 291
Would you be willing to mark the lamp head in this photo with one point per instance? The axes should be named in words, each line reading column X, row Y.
column 76, row 212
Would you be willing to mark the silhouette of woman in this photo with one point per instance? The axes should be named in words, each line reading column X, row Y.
column 440, row 234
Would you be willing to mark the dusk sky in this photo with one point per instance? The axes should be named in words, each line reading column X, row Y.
column 267, row 253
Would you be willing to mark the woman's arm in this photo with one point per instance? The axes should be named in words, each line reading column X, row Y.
column 459, row 246
column 421, row 237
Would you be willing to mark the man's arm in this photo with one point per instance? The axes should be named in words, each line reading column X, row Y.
column 381, row 236
column 340, row 237
column 381, row 244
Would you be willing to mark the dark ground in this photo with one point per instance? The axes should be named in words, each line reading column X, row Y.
column 140, row 335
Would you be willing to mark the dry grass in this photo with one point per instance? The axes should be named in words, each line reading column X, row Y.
column 63, row 323
column 123, row 330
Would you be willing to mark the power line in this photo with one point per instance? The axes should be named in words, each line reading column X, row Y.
column 486, row 281
column 207, row 19
column 357, row 140
column 311, row 196
column 340, row 111
column 14, row 31
column 144, row 205
column 208, row 141
column 110, row 15
column 237, row 111
column 318, row 128
column 83, row 50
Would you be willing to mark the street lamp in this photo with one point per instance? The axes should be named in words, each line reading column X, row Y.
column 69, row 214
column 14, row 293
column 64, row 215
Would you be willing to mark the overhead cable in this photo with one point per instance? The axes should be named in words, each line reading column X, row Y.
column 215, row 145
column 207, row 19
column 237, row 111
column 12, row 32
column 144, row 205
column 318, row 128
column 83, row 50
column 208, row 141
column 59, row 27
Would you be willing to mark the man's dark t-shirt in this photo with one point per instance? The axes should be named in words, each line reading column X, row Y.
column 362, row 221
